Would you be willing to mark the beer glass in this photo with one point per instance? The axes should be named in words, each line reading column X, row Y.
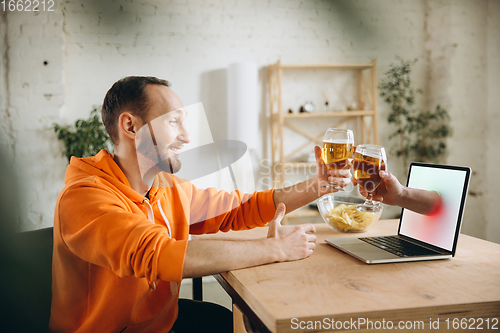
column 337, row 151
column 368, row 161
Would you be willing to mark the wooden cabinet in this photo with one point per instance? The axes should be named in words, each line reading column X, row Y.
column 362, row 119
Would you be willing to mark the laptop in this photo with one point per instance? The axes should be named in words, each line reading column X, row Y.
column 419, row 237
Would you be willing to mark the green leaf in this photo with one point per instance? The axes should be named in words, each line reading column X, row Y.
column 85, row 138
column 422, row 133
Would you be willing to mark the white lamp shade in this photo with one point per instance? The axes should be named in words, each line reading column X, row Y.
column 242, row 104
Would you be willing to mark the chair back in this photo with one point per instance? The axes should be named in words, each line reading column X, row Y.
column 34, row 275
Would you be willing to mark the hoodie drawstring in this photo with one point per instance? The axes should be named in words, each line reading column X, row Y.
column 174, row 286
column 151, row 216
column 165, row 219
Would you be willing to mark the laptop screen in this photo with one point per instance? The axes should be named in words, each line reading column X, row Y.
column 441, row 228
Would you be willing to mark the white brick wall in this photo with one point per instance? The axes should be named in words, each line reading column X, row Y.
column 492, row 158
column 36, row 95
column 468, row 74
column 7, row 142
column 91, row 44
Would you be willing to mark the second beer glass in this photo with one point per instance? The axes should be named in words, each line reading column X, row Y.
column 337, row 150
column 368, row 162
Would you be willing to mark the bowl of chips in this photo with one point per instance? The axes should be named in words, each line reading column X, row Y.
column 340, row 213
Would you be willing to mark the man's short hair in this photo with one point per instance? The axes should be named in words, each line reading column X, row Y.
column 127, row 94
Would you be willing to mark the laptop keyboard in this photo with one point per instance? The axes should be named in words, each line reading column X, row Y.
column 398, row 246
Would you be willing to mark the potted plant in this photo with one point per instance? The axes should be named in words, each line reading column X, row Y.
column 86, row 137
column 420, row 135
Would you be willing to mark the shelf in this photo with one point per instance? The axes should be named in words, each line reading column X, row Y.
column 354, row 113
column 337, row 66
column 364, row 120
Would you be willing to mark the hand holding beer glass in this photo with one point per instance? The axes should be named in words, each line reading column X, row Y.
column 337, row 151
column 369, row 160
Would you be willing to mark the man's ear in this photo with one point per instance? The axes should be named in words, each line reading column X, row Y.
column 128, row 125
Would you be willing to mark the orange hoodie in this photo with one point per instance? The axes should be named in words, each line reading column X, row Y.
column 118, row 257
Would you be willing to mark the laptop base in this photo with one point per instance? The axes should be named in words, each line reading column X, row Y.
column 373, row 255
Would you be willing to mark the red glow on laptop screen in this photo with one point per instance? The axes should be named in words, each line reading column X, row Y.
column 439, row 227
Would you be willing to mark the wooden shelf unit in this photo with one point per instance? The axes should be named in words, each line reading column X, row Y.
column 367, row 96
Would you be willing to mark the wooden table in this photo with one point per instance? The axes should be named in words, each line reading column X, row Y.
column 330, row 285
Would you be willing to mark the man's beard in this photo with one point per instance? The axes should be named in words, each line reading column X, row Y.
column 170, row 165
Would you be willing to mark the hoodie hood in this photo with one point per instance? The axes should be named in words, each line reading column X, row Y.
column 103, row 166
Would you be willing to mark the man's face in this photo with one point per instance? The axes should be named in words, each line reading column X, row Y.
column 166, row 117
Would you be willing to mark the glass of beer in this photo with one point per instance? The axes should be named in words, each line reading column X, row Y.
column 337, row 151
column 368, row 161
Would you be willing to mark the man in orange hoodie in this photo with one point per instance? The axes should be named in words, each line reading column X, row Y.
column 121, row 243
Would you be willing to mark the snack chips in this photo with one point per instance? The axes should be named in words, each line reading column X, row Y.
column 347, row 218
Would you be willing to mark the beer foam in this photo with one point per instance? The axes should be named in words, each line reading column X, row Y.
column 340, row 141
column 370, row 154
